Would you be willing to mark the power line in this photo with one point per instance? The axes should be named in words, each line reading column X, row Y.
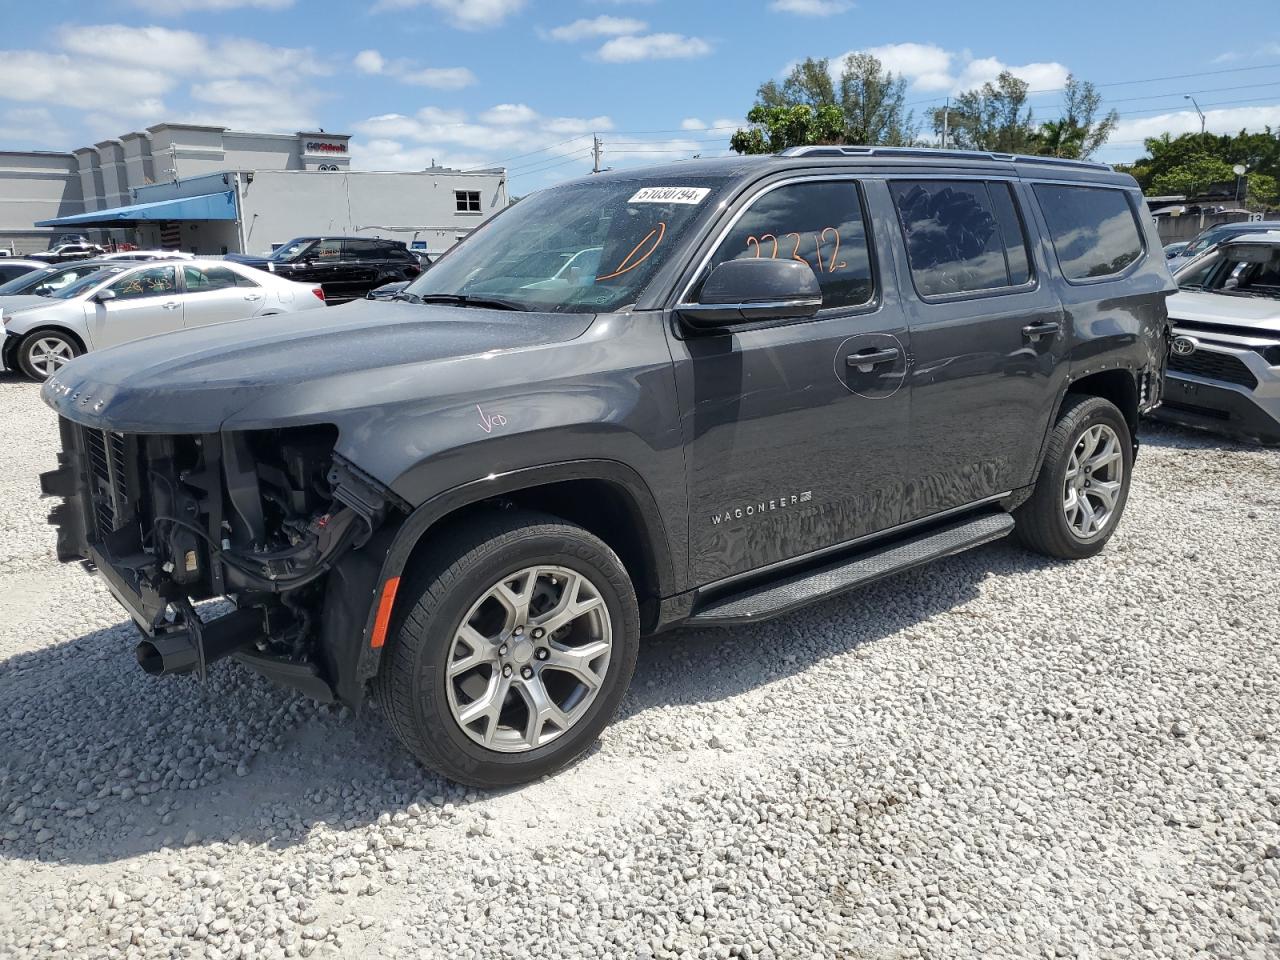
column 560, row 163
column 505, row 160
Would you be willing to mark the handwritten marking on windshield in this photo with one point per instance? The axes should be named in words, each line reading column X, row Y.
column 487, row 423
column 626, row 264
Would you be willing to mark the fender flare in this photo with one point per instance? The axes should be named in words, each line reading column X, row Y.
column 396, row 544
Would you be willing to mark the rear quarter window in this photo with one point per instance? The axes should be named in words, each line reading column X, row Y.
column 1094, row 230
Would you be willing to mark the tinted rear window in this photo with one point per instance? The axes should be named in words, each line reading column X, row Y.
column 1094, row 231
column 962, row 236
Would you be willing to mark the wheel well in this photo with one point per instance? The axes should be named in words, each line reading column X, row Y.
column 69, row 334
column 598, row 506
column 1118, row 386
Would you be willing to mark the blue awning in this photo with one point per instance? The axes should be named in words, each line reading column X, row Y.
column 208, row 206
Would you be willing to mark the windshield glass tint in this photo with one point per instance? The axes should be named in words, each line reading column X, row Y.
column 24, row 283
column 73, row 290
column 582, row 248
column 291, row 250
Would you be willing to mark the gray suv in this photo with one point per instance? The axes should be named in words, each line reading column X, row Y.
column 705, row 393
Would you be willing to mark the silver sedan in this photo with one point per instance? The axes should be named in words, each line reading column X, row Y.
column 123, row 302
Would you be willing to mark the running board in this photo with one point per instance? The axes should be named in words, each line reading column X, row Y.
column 782, row 596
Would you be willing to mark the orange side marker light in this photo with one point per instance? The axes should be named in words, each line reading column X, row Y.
column 383, row 619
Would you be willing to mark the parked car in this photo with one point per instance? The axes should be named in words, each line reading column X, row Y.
column 14, row 267
column 786, row 376
column 147, row 255
column 1175, row 249
column 1220, row 233
column 66, row 252
column 347, row 267
column 1224, row 366
column 33, row 286
column 388, row 291
column 123, row 302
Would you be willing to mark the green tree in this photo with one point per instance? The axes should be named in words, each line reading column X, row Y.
column 1192, row 177
column 1261, row 190
column 1080, row 131
column 865, row 104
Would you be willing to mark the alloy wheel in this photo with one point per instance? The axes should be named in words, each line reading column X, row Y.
column 1095, row 477
column 48, row 355
column 529, row 658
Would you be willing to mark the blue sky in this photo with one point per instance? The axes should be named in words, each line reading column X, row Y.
column 526, row 82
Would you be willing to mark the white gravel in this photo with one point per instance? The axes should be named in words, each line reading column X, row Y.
column 993, row 756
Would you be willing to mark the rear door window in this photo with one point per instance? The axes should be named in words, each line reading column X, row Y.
column 962, row 236
column 1094, row 230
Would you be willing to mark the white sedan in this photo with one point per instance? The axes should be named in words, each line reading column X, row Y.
column 126, row 301
column 142, row 255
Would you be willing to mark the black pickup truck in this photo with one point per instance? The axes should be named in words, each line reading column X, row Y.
column 704, row 393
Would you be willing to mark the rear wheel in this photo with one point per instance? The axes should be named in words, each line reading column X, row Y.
column 44, row 352
column 1083, row 484
column 517, row 649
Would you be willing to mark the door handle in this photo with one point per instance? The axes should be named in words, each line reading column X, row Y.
column 869, row 359
column 1042, row 328
column 171, row 305
column 253, row 296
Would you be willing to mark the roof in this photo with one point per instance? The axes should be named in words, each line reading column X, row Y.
column 883, row 159
column 208, row 206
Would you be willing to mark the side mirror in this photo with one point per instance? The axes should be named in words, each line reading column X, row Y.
column 104, row 296
column 754, row 289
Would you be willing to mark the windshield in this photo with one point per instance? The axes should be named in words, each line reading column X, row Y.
column 73, row 290
column 23, row 283
column 586, row 247
column 292, row 250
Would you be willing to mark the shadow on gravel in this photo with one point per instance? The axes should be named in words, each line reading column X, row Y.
column 99, row 762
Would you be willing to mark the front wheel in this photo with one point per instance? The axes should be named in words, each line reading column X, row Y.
column 519, row 641
column 1083, row 484
column 45, row 352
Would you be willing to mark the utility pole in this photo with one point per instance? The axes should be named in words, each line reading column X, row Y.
column 1188, row 96
column 946, row 119
column 595, row 154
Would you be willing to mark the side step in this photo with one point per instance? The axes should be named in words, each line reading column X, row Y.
column 782, row 596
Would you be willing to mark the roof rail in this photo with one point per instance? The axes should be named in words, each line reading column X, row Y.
column 841, row 150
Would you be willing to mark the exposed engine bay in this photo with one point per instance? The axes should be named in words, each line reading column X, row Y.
column 260, row 517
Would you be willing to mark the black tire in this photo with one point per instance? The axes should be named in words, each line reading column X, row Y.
column 465, row 562
column 38, row 338
column 1041, row 521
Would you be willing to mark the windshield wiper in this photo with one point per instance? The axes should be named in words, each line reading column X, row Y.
column 466, row 300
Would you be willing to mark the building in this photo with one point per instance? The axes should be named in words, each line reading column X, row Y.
column 210, row 190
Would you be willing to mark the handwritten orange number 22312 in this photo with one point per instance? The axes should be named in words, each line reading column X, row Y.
column 827, row 234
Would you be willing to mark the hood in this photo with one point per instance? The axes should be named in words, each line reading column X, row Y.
column 11, row 305
column 291, row 366
column 249, row 259
column 1248, row 313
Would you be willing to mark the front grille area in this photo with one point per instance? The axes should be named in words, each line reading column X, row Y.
column 1214, row 366
column 112, row 471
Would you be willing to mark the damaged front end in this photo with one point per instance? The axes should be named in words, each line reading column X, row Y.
column 261, row 518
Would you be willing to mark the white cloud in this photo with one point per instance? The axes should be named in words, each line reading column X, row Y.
column 1230, row 121
column 185, row 53
column 930, row 68
column 653, row 46
column 692, row 123
column 55, row 78
column 811, row 8
column 252, row 105
column 406, row 71
column 465, row 14
column 439, row 78
column 31, row 127
column 369, row 61
column 602, row 26
column 506, row 114
column 173, row 8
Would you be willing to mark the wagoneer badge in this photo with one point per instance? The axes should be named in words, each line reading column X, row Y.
column 758, row 507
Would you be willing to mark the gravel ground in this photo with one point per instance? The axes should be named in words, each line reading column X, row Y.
column 993, row 756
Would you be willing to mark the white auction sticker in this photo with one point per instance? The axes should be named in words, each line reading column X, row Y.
column 670, row 195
